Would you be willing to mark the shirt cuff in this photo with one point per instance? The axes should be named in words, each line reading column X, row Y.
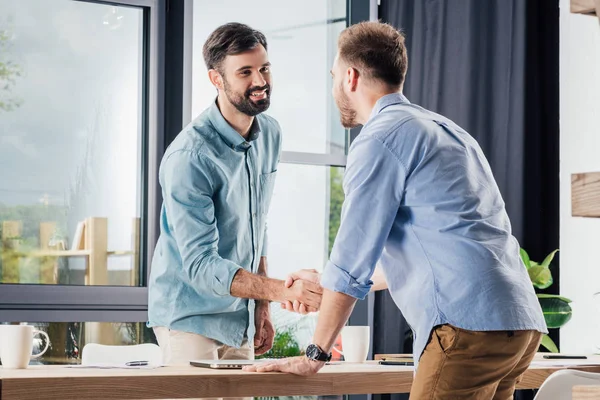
column 339, row 280
column 223, row 277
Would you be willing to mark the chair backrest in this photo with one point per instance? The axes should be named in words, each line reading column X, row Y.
column 94, row 353
column 560, row 384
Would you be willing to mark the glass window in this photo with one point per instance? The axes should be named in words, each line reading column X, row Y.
column 67, row 339
column 71, row 102
column 303, row 220
column 302, row 41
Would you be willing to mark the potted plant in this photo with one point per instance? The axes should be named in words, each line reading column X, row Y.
column 556, row 308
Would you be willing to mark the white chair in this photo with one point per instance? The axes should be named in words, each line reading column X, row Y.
column 560, row 384
column 94, row 354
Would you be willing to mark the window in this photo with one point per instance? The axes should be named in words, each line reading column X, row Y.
column 79, row 144
column 71, row 143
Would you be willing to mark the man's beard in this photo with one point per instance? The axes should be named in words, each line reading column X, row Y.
column 244, row 104
column 347, row 114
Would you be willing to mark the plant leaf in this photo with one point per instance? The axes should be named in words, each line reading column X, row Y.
column 541, row 277
column 525, row 258
column 556, row 312
column 553, row 296
column 548, row 259
column 549, row 344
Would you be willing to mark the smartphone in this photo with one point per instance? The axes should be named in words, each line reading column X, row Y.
column 390, row 362
column 563, row 357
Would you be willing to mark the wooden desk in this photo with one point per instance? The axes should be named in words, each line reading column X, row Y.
column 586, row 392
column 58, row 382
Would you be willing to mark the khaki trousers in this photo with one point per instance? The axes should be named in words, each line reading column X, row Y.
column 178, row 348
column 478, row 365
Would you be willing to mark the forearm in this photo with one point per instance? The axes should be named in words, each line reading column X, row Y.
column 335, row 311
column 262, row 305
column 247, row 285
column 378, row 278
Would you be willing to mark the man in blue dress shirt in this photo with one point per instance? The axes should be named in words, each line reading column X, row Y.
column 422, row 202
column 208, row 291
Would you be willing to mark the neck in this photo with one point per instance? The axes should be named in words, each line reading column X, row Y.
column 238, row 120
column 369, row 99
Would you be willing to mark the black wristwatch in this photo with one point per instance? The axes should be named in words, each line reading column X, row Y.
column 314, row 352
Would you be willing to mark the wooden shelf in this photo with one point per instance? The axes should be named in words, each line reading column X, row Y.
column 585, row 194
column 587, row 7
column 55, row 253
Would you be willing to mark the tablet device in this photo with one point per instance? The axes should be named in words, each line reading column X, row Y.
column 222, row 364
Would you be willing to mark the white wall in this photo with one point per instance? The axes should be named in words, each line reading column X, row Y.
column 579, row 152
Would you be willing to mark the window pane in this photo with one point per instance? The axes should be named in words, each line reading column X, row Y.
column 303, row 220
column 67, row 339
column 302, row 41
column 70, row 142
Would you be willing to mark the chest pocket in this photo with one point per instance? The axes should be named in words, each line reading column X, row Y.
column 265, row 191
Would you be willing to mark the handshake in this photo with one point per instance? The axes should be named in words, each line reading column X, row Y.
column 302, row 292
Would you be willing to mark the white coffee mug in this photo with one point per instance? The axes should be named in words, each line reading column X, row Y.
column 16, row 345
column 355, row 343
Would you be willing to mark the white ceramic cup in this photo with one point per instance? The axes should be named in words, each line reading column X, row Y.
column 355, row 343
column 16, row 345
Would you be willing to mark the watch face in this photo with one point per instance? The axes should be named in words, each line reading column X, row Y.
column 312, row 351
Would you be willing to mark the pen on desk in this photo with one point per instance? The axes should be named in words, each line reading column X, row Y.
column 136, row 363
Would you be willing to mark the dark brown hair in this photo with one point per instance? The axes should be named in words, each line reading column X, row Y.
column 376, row 50
column 230, row 39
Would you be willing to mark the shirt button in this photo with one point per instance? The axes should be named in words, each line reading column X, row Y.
column 254, row 215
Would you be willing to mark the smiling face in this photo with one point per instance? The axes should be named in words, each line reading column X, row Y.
column 246, row 80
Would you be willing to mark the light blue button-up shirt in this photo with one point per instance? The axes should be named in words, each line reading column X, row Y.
column 421, row 200
column 216, row 190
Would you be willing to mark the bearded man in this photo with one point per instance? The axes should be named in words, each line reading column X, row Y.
column 209, row 292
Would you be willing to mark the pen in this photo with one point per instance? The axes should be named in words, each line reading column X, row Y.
column 136, row 363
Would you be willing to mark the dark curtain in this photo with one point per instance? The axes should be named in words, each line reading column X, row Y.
column 492, row 67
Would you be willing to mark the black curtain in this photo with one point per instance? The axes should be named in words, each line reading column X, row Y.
column 492, row 67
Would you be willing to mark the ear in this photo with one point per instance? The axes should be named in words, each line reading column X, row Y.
column 215, row 78
column 352, row 76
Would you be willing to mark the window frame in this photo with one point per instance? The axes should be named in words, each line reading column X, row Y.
column 67, row 303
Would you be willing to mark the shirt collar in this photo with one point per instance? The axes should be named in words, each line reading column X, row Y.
column 388, row 100
column 230, row 135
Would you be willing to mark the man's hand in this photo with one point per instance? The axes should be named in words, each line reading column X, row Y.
column 265, row 333
column 310, row 275
column 296, row 365
column 308, row 291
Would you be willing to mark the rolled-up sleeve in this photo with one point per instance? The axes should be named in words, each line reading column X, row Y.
column 373, row 187
column 187, row 191
column 265, row 244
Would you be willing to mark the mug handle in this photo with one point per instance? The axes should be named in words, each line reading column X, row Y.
column 36, row 332
column 337, row 350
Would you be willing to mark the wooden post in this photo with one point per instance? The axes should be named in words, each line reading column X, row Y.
column 96, row 242
column 11, row 233
column 135, row 247
column 48, row 265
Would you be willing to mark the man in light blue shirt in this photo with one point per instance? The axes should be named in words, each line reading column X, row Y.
column 217, row 180
column 422, row 202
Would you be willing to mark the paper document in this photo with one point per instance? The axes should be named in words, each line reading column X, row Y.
column 114, row 366
column 564, row 363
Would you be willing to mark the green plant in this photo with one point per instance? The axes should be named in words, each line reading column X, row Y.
column 284, row 345
column 556, row 308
